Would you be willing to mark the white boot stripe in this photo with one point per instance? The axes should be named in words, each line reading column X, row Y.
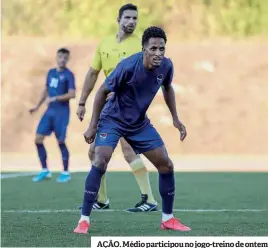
column 142, row 208
column 147, row 206
column 96, row 206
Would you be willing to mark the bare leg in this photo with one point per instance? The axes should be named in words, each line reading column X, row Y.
column 160, row 159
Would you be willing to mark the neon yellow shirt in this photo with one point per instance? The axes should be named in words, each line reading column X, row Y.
column 109, row 52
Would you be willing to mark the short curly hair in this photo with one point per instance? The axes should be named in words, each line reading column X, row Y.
column 153, row 32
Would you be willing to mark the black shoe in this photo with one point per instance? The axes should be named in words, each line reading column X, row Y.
column 99, row 206
column 143, row 206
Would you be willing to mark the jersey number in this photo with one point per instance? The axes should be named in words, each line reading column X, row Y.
column 54, row 83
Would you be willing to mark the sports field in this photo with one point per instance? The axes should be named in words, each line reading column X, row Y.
column 45, row 214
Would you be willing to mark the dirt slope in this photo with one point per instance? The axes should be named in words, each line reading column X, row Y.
column 221, row 88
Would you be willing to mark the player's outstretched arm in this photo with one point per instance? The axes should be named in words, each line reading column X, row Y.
column 41, row 101
column 169, row 96
column 89, row 83
column 98, row 105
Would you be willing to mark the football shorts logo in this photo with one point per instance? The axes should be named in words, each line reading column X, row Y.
column 160, row 78
column 103, row 136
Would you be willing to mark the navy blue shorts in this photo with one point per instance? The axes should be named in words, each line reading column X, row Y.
column 54, row 120
column 143, row 141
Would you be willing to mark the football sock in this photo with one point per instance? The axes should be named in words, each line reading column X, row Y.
column 102, row 196
column 142, row 177
column 42, row 155
column 166, row 217
column 65, row 156
column 83, row 217
column 92, row 186
column 167, row 191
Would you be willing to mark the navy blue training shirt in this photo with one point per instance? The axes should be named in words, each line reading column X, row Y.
column 135, row 88
column 58, row 83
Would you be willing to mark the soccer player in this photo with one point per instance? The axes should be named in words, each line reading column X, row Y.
column 110, row 52
column 59, row 89
column 135, row 82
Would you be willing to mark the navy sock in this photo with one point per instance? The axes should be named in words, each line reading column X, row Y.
column 42, row 155
column 65, row 156
column 167, row 191
column 92, row 187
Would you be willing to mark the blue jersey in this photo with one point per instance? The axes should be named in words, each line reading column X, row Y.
column 58, row 83
column 135, row 88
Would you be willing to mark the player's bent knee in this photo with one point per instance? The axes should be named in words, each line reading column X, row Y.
column 165, row 165
column 39, row 139
column 102, row 157
column 170, row 166
column 101, row 162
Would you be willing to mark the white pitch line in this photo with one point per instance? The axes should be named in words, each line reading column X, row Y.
column 120, row 210
column 15, row 175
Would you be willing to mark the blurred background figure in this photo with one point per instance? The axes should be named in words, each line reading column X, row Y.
column 59, row 90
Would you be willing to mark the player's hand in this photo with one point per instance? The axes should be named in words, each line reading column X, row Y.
column 90, row 134
column 33, row 110
column 81, row 112
column 181, row 128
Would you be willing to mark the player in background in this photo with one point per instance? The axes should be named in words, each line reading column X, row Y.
column 135, row 82
column 110, row 52
column 59, row 90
